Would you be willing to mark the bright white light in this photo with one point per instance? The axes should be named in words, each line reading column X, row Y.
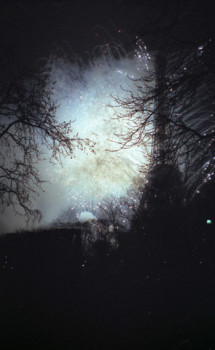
column 84, row 94
column 86, row 216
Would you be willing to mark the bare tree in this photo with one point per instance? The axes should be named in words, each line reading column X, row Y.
column 119, row 212
column 29, row 133
column 177, row 112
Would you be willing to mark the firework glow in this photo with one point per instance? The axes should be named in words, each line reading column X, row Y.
column 85, row 94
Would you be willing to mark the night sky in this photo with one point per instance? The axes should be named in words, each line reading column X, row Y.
column 43, row 32
column 38, row 27
column 123, row 256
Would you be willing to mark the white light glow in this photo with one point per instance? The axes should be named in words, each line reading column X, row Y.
column 85, row 94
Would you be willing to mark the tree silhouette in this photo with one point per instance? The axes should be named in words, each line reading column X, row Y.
column 174, row 105
column 29, row 133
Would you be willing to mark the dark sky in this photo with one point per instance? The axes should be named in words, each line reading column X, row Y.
column 37, row 27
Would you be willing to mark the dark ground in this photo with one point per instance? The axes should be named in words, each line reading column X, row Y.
column 156, row 291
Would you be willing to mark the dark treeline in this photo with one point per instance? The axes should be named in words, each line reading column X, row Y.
column 155, row 291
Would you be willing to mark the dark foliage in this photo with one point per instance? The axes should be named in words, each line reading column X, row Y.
column 155, row 291
column 163, row 198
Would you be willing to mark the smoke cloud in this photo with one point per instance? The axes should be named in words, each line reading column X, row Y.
column 85, row 94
